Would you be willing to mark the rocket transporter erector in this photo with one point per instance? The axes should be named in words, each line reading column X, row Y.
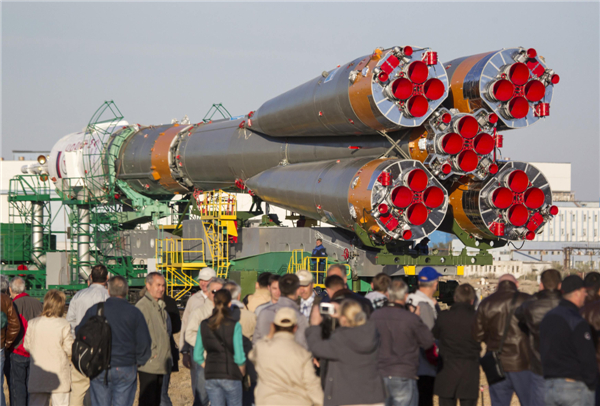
column 393, row 145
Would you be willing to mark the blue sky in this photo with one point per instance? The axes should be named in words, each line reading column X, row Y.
column 160, row 61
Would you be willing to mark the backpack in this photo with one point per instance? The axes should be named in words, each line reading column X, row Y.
column 92, row 346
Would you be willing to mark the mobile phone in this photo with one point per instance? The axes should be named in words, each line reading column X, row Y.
column 326, row 309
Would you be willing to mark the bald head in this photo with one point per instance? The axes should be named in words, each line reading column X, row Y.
column 508, row 277
column 338, row 270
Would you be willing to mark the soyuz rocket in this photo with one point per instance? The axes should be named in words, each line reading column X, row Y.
column 395, row 143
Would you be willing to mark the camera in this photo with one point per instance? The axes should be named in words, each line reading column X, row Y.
column 326, row 309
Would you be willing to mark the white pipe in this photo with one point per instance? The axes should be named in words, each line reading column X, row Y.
column 83, row 242
column 38, row 256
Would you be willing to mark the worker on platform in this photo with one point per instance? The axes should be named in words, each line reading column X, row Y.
column 317, row 253
column 78, row 306
column 195, row 301
column 28, row 308
column 273, row 290
column 422, row 247
column 261, row 293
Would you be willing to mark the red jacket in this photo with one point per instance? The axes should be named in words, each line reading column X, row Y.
column 28, row 309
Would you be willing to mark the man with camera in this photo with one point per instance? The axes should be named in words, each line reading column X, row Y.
column 402, row 334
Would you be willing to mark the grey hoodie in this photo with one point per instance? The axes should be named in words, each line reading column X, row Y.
column 352, row 374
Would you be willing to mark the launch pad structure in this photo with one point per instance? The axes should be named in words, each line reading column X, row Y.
column 378, row 148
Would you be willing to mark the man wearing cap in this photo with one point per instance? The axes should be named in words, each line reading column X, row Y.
column 288, row 285
column 287, row 375
column 306, row 293
column 492, row 315
column 429, row 309
column 196, row 301
column 567, row 350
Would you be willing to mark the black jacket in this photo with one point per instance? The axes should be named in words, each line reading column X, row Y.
column 591, row 314
column 352, row 375
column 219, row 350
column 131, row 342
column 492, row 316
column 530, row 315
column 174, row 315
column 566, row 346
column 458, row 374
column 401, row 334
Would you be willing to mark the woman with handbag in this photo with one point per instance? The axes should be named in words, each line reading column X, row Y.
column 224, row 367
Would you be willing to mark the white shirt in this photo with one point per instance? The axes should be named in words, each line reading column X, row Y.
column 306, row 305
column 196, row 301
column 82, row 301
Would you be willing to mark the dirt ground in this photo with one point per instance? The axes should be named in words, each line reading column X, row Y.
column 180, row 387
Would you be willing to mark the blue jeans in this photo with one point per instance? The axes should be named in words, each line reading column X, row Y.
column 516, row 382
column 401, row 391
column 198, row 384
column 119, row 390
column 19, row 377
column 224, row 392
column 165, row 400
column 559, row 392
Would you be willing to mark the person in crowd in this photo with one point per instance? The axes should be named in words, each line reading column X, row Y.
column 530, row 315
column 49, row 341
column 246, row 318
column 592, row 286
column 591, row 314
column 492, row 314
column 402, row 334
column 221, row 337
column 458, row 377
column 78, row 306
column 319, row 255
column 339, row 270
column 261, row 293
column 10, row 333
column 151, row 374
column 4, row 285
column 193, row 325
column 203, row 312
column 287, row 374
column 273, row 290
column 307, row 295
column 194, row 302
column 333, row 284
column 28, row 308
column 379, row 295
column 567, row 350
column 175, row 320
column 345, row 293
column 352, row 353
column 288, row 285
column 130, row 347
column 429, row 309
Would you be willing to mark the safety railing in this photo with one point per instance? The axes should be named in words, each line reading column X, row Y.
column 184, row 253
column 217, row 205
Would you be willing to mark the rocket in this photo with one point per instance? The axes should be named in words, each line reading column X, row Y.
column 394, row 144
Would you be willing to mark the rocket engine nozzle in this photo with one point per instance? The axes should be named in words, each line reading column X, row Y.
column 459, row 144
column 513, row 83
column 513, row 204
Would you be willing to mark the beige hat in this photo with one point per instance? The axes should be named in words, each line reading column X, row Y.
column 285, row 317
column 207, row 274
column 305, row 277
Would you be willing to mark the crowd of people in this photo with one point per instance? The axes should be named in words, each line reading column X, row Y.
column 287, row 344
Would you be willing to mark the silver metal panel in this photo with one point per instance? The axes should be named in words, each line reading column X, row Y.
column 57, row 270
column 195, row 229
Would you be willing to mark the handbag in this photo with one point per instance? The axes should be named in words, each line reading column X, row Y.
column 490, row 362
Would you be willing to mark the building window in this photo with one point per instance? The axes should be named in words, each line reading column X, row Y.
column 562, row 231
column 595, row 232
column 551, row 231
column 562, row 217
column 583, row 232
column 572, row 231
column 585, row 217
column 574, row 217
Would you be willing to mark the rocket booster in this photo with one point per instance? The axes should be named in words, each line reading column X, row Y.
column 375, row 143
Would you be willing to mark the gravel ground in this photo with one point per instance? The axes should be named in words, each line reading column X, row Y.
column 180, row 388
